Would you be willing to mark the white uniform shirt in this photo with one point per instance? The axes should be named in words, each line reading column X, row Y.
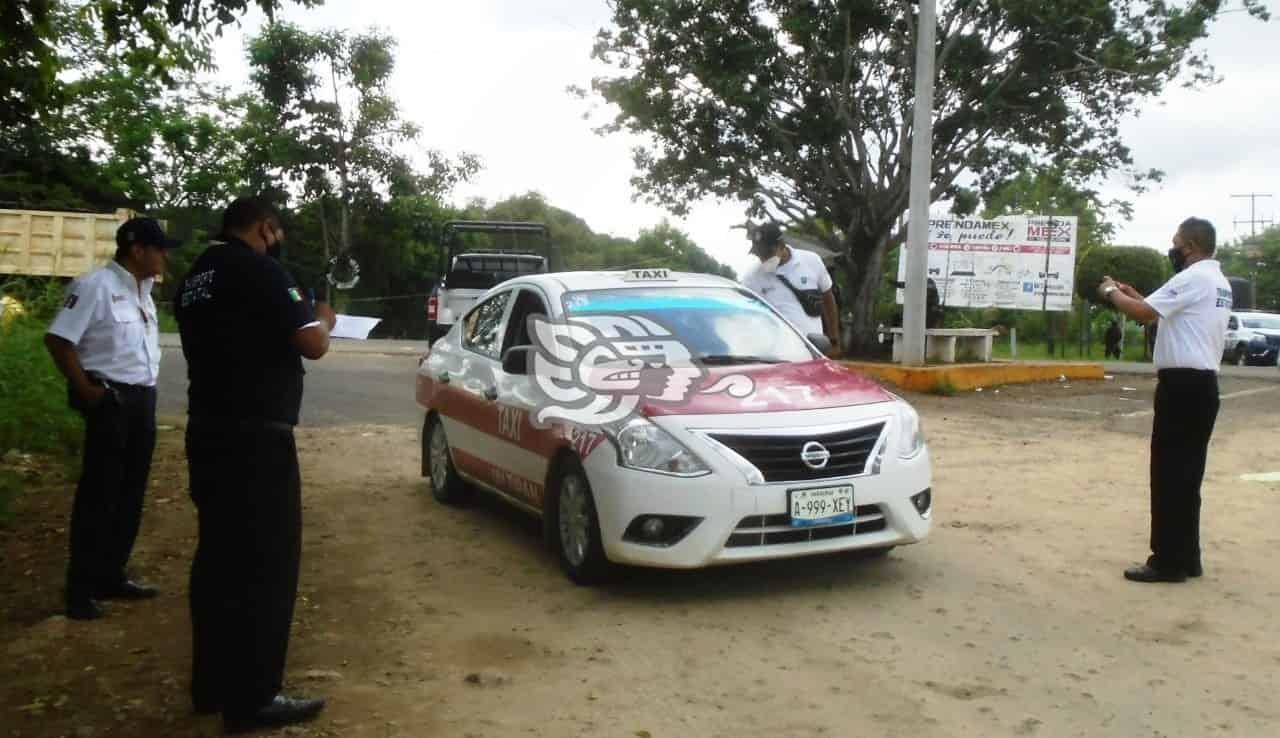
column 1194, row 308
column 112, row 326
column 805, row 271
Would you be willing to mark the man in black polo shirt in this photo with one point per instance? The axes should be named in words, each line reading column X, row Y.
column 245, row 327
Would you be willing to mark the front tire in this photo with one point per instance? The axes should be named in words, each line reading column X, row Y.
column 1242, row 355
column 446, row 486
column 576, row 527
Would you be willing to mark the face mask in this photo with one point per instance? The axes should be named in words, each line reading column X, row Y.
column 770, row 265
column 1178, row 259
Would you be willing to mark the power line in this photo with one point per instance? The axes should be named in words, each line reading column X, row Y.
column 1253, row 220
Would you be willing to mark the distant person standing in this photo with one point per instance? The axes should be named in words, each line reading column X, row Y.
column 1193, row 308
column 796, row 283
column 106, row 342
column 246, row 327
column 1113, row 339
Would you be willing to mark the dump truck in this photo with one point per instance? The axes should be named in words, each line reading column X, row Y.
column 53, row 243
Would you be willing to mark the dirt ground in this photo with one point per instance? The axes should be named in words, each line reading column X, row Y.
column 1012, row 619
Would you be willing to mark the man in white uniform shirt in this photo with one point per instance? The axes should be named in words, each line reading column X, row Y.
column 106, row 343
column 1193, row 308
column 785, row 271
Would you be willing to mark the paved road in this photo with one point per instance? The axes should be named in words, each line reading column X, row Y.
column 344, row 387
column 372, row 382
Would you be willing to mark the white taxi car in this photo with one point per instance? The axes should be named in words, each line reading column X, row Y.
column 667, row 420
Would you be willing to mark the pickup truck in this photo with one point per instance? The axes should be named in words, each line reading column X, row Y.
column 470, row 268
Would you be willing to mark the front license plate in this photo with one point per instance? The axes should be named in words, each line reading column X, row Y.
column 820, row 506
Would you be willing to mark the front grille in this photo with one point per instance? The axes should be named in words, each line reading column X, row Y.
column 768, row 530
column 778, row 457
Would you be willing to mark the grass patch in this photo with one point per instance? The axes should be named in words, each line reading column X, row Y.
column 942, row 387
column 34, row 416
column 1040, row 352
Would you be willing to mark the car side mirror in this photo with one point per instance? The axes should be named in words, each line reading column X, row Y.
column 516, row 359
column 820, row 342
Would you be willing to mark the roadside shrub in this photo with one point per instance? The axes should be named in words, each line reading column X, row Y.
column 33, row 395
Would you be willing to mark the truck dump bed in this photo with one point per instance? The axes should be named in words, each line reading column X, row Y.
column 46, row 243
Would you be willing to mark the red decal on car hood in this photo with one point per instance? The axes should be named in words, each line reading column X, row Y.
column 809, row 385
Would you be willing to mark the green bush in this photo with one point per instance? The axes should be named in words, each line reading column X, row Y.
column 33, row 395
column 1144, row 268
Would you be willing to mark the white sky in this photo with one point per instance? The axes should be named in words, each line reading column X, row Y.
column 490, row 77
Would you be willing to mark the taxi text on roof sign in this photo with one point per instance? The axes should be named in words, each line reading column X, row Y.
column 648, row 275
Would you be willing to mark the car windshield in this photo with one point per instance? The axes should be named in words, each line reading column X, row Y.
column 1266, row 324
column 718, row 325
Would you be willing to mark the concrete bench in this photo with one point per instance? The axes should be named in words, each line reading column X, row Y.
column 946, row 345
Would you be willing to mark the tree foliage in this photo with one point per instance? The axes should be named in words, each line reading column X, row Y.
column 326, row 122
column 804, row 109
column 156, row 36
column 1258, row 259
column 1144, row 268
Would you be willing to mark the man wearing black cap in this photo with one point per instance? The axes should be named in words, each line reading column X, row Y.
column 246, row 326
column 106, row 342
column 796, row 282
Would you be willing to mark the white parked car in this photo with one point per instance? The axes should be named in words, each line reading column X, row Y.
column 667, row 420
column 1252, row 338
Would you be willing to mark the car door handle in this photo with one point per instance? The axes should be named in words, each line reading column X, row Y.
column 490, row 393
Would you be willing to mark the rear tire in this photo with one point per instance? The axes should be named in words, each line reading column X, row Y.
column 575, row 526
column 446, row 486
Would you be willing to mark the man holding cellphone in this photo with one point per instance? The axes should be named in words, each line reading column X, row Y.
column 1193, row 308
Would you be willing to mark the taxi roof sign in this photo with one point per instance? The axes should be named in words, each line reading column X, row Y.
column 648, row 275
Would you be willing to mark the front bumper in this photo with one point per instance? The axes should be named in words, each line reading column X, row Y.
column 747, row 522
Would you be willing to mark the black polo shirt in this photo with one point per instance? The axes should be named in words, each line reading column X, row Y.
column 237, row 312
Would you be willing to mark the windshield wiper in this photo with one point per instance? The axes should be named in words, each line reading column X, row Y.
column 726, row 359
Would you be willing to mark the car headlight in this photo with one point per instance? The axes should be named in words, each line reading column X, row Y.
column 910, row 432
column 644, row 446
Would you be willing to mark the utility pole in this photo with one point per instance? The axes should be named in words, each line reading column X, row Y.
column 913, row 305
column 1253, row 220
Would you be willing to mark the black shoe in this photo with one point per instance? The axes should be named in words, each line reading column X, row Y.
column 278, row 712
column 127, row 590
column 84, row 610
column 1149, row 573
column 1195, row 571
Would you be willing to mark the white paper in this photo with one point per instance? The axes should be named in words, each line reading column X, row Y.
column 353, row 326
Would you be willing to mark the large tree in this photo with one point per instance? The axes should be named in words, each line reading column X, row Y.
column 803, row 109
column 326, row 124
column 72, row 73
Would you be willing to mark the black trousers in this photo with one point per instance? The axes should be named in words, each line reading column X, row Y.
column 244, row 579
column 1185, row 412
column 119, row 439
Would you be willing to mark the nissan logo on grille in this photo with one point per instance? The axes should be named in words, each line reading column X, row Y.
column 814, row 455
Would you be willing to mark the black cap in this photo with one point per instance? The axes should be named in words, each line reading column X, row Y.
column 145, row 231
column 768, row 234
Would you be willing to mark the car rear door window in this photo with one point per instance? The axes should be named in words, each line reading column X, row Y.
column 482, row 331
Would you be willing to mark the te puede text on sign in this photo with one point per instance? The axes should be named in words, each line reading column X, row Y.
column 1017, row 262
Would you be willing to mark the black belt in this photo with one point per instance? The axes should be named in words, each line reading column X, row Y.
column 121, row 386
column 1180, row 373
column 207, row 423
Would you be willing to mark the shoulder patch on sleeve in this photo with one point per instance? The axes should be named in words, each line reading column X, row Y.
column 70, row 302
